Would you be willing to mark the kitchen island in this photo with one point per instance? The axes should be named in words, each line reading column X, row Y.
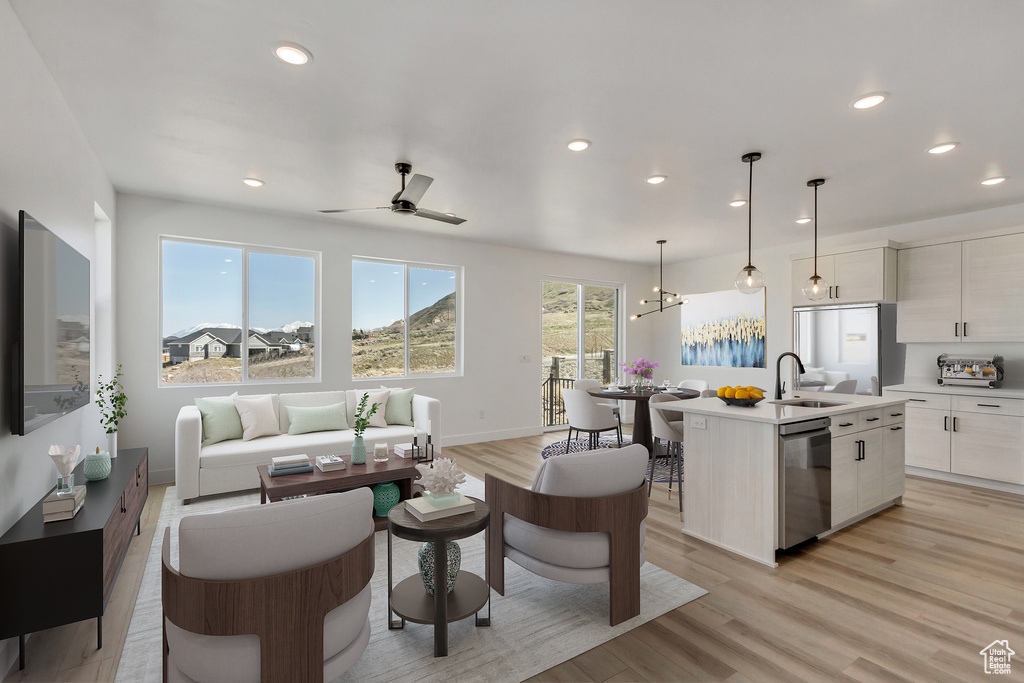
column 731, row 495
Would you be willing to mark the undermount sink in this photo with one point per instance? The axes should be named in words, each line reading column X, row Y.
column 809, row 403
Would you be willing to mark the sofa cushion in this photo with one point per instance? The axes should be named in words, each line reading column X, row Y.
column 220, row 418
column 354, row 396
column 305, row 419
column 237, row 452
column 605, row 472
column 305, row 399
column 398, row 410
column 258, row 416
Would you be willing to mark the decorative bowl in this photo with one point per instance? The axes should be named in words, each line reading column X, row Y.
column 743, row 402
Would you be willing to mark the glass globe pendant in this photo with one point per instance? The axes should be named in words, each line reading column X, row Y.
column 816, row 287
column 749, row 280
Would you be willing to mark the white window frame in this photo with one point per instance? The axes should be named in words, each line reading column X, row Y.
column 244, row 352
column 620, row 318
column 460, row 306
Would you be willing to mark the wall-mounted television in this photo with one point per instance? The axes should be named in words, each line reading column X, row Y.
column 51, row 373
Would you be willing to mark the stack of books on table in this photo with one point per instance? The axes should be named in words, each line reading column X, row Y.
column 425, row 511
column 329, row 463
column 56, row 508
column 290, row 464
column 403, row 450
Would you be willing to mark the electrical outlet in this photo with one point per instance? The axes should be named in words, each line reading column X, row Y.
column 699, row 422
column 524, row 358
column 481, row 414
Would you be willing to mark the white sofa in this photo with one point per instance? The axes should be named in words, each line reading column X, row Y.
column 231, row 465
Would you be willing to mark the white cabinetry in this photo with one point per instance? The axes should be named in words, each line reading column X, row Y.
column 960, row 291
column 867, row 464
column 965, row 434
column 853, row 276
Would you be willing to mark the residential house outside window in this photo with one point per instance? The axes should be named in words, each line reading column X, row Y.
column 212, row 291
column 405, row 319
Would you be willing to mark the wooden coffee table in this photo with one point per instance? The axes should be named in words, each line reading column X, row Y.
column 402, row 471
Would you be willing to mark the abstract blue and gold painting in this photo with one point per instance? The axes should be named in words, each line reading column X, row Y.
column 725, row 329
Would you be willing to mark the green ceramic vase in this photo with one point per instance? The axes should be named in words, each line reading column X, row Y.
column 358, row 451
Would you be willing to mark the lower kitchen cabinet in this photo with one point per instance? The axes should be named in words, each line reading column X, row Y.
column 988, row 446
column 867, row 467
column 928, row 438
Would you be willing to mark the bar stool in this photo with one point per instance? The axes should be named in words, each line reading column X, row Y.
column 670, row 431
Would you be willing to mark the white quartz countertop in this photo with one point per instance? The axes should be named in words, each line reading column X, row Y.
column 771, row 412
column 933, row 387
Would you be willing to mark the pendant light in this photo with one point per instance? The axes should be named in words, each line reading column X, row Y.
column 750, row 280
column 816, row 286
column 664, row 297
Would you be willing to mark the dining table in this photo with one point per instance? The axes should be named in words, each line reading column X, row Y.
column 642, row 411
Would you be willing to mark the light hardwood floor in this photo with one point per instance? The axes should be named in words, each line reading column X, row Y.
column 913, row 593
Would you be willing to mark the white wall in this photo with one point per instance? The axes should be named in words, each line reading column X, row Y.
column 502, row 316
column 47, row 169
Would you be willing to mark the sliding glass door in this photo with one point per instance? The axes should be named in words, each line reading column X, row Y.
column 579, row 325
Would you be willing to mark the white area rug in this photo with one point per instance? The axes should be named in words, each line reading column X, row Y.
column 537, row 624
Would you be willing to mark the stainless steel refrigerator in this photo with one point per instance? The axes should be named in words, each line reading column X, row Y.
column 856, row 341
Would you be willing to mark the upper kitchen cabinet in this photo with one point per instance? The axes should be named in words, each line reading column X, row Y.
column 866, row 275
column 958, row 291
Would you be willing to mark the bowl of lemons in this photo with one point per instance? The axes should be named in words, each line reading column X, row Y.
column 741, row 396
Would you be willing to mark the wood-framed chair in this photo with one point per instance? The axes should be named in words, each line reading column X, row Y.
column 583, row 523
column 257, row 575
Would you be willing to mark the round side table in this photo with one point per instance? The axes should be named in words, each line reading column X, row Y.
column 411, row 602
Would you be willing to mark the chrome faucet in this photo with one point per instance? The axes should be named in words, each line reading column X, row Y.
column 778, row 378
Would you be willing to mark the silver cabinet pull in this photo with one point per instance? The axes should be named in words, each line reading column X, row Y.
column 989, row 405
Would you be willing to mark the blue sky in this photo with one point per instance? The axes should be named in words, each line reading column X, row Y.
column 377, row 291
column 203, row 283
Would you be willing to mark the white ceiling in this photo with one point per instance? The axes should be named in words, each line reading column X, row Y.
column 184, row 99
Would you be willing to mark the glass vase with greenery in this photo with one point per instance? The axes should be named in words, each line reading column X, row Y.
column 359, row 426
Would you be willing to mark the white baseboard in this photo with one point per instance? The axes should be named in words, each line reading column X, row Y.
column 1006, row 487
column 161, row 476
column 480, row 437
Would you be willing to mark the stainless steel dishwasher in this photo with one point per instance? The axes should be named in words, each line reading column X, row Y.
column 805, row 480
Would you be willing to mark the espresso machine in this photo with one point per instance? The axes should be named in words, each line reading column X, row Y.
column 970, row 371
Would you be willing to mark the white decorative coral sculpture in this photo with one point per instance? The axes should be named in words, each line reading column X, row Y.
column 64, row 458
column 441, row 476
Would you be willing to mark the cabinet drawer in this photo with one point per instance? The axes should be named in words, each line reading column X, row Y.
column 869, row 419
column 991, row 406
column 920, row 399
column 893, row 414
column 845, row 423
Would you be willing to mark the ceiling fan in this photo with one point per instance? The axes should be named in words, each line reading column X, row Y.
column 408, row 197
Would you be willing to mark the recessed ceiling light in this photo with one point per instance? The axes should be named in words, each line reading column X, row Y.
column 452, row 215
column 738, row 202
column 253, row 182
column 868, row 101
column 801, row 221
column 993, row 181
column 943, row 148
column 657, row 179
column 293, row 54
column 579, row 145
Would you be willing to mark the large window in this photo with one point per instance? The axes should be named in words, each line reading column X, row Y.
column 233, row 313
column 404, row 318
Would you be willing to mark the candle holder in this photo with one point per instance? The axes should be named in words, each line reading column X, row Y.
column 426, row 453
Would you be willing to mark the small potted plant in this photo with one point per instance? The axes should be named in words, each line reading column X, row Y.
column 111, row 400
column 359, row 426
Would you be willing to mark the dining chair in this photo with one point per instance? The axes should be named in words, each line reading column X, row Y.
column 847, row 386
column 586, row 415
column 695, row 384
column 708, row 393
column 670, row 431
column 587, row 385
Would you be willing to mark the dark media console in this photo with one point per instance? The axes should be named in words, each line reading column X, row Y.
column 61, row 572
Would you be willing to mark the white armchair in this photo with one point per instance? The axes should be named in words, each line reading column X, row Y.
column 581, row 523
column 271, row 592
column 586, row 415
column 587, row 385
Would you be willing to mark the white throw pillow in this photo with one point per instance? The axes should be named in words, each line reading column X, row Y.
column 257, row 415
column 354, row 396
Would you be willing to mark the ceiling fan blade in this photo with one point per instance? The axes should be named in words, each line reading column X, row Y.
column 372, row 208
column 443, row 217
column 414, row 190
